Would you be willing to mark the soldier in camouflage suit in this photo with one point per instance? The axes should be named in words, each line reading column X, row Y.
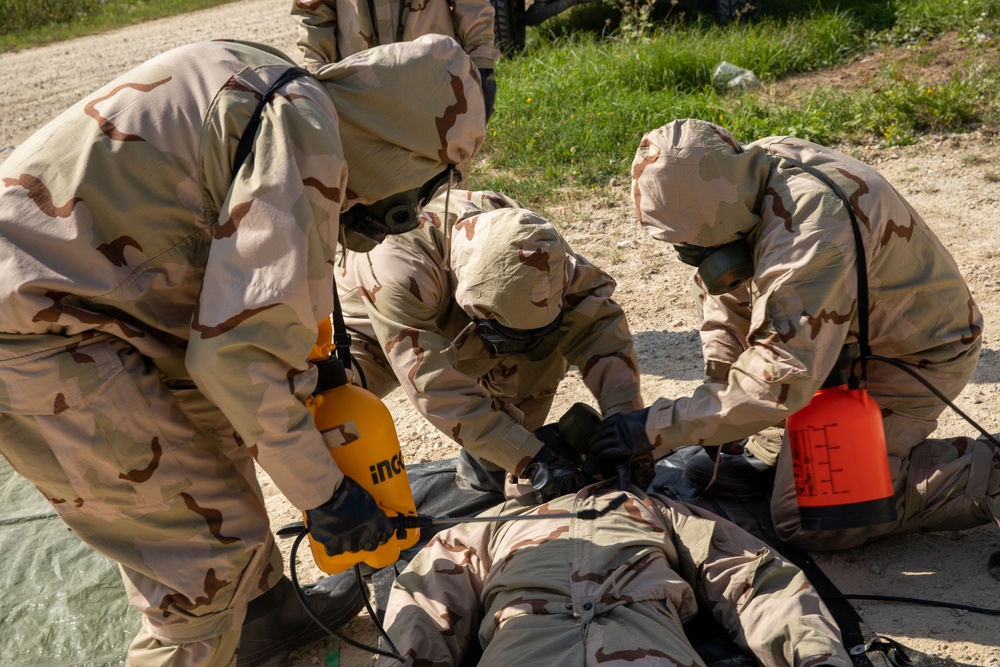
column 158, row 309
column 615, row 590
column 330, row 30
column 412, row 305
column 770, row 344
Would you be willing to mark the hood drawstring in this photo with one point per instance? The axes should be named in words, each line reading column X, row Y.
column 461, row 335
column 447, row 229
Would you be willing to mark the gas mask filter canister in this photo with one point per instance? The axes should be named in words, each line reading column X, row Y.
column 721, row 268
column 366, row 225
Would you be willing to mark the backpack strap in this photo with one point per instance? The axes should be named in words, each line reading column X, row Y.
column 245, row 146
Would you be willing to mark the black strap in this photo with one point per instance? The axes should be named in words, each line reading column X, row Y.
column 866, row 647
column 859, row 247
column 374, row 18
column 250, row 133
column 341, row 337
column 399, row 21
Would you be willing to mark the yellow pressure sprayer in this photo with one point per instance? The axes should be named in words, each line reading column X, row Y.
column 361, row 435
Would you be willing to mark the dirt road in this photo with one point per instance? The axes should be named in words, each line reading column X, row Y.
column 953, row 181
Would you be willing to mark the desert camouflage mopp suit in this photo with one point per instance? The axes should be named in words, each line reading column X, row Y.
column 613, row 591
column 330, row 30
column 770, row 345
column 157, row 309
column 410, row 304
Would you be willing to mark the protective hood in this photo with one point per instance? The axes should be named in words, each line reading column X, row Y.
column 693, row 182
column 407, row 110
column 510, row 265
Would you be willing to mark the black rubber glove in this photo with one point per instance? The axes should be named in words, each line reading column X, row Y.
column 552, row 474
column 620, row 449
column 489, row 90
column 349, row 521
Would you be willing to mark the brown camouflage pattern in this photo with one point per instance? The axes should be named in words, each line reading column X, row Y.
column 439, row 120
column 162, row 485
column 942, row 484
column 611, row 591
column 157, row 310
column 769, row 345
column 332, row 30
column 409, row 305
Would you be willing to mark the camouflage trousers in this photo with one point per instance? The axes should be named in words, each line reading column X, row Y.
column 151, row 476
column 942, row 484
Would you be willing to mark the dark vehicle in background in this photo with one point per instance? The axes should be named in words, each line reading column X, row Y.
column 513, row 16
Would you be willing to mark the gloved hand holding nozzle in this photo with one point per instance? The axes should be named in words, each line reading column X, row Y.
column 349, row 521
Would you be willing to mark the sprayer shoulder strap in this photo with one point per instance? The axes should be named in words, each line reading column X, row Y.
column 245, row 146
column 341, row 337
column 859, row 247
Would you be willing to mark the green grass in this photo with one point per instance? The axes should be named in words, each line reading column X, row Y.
column 27, row 23
column 573, row 106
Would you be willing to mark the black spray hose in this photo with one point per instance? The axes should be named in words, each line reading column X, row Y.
column 364, row 595
column 906, row 368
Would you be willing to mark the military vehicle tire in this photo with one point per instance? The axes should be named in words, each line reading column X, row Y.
column 508, row 25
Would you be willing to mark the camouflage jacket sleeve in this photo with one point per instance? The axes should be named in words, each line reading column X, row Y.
column 330, row 30
column 803, row 307
column 725, row 324
column 435, row 607
column 765, row 602
column 474, row 31
column 268, row 281
column 408, row 295
column 317, row 28
column 598, row 340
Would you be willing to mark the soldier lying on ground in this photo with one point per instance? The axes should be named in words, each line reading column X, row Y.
column 614, row 590
column 777, row 320
column 159, row 298
column 479, row 315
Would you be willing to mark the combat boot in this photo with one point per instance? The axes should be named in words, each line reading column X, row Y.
column 276, row 624
column 740, row 475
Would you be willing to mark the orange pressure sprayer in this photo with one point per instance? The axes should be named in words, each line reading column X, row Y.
column 361, row 435
column 842, row 477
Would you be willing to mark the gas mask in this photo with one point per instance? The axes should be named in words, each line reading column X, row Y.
column 532, row 344
column 364, row 226
column 721, row 268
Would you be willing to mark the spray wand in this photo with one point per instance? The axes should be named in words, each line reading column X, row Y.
column 426, row 521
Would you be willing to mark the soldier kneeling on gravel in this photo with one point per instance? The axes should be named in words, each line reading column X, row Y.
column 769, row 225
column 161, row 281
column 478, row 315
